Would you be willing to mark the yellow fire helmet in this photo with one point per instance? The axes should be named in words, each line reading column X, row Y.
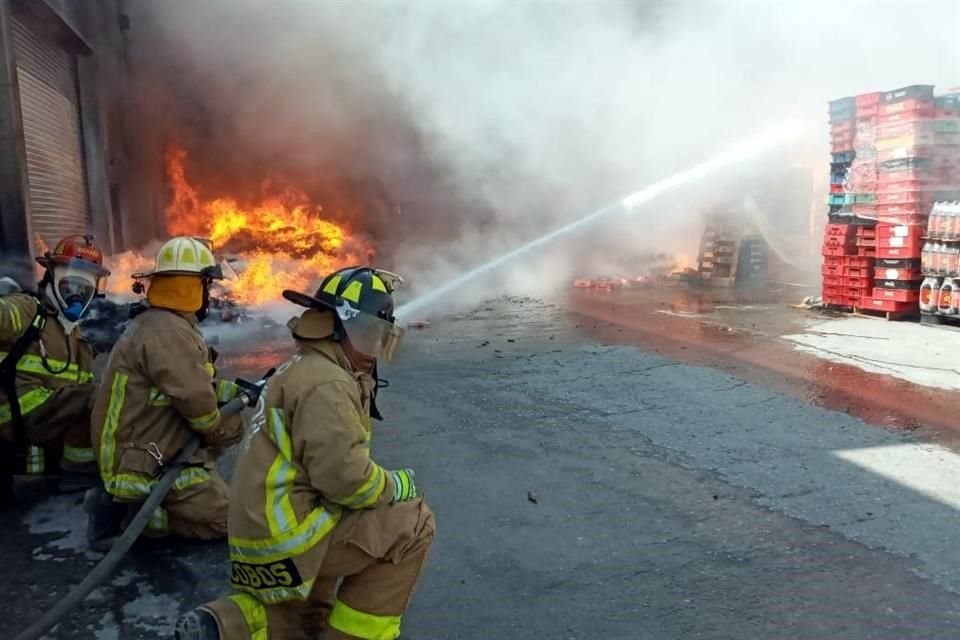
column 185, row 256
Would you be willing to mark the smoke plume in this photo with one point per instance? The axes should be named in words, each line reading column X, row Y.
column 450, row 131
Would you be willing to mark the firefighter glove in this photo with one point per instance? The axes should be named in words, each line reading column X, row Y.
column 404, row 489
column 226, row 391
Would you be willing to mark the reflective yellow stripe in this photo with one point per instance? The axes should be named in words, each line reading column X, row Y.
column 205, row 422
column 254, row 613
column 28, row 402
column 331, row 287
column 36, row 460
column 280, row 478
column 208, row 366
column 295, row 542
column 34, row 364
column 276, row 595
column 368, row 626
column 108, row 439
column 15, row 319
column 377, row 284
column 159, row 522
column 226, row 391
column 135, row 485
column 369, row 492
column 158, row 398
column 129, row 485
column 190, row 477
column 352, row 292
column 78, row 455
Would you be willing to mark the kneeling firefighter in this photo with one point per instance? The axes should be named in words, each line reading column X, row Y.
column 159, row 391
column 46, row 369
column 310, row 508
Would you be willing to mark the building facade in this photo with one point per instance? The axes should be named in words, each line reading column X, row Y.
column 66, row 165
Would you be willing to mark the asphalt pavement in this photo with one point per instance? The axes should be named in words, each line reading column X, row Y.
column 582, row 491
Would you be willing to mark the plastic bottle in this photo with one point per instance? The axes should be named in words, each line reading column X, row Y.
column 926, row 258
column 946, row 302
column 933, row 223
column 929, row 294
column 953, row 260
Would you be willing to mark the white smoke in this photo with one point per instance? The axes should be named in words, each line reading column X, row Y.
column 495, row 121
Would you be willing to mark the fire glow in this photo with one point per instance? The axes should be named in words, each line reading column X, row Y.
column 281, row 242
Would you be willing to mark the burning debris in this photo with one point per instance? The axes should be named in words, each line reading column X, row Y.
column 282, row 242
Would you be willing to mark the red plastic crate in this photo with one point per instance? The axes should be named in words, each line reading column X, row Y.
column 866, row 242
column 912, row 243
column 830, row 270
column 857, row 272
column 857, row 261
column 841, row 128
column 905, row 153
column 898, row 252
column 833, row 292
column 881, row 273
column 833, row 281
column 866, row 209
column 902, row 197
column 905, row 175
column 840, row 229
column 880, row 304
column 867, row 252
column 885, row 231
column 840, row 147
column 906, row 106
column 839, row 241
column 863, row 231
column 833, row 251
column 836, row 188
column 857, row 283
column 868, row 99
column 910, row 209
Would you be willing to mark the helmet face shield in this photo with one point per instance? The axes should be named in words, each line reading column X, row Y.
column 372, row 336
column 75, row 284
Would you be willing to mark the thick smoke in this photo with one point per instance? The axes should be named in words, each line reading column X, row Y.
column 456, row 130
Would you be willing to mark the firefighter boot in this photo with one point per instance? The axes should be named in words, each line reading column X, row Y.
column 197, row 625
column 104, row 518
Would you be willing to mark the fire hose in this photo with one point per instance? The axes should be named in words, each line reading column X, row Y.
column 249, row 395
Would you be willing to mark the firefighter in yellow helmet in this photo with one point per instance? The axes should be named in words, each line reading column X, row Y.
column 311, row 508
column 157, row 392
column 46, row 369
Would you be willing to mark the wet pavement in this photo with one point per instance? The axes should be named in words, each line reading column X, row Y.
column 693, row 479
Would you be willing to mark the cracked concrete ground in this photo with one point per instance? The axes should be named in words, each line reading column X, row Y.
column 672, row 501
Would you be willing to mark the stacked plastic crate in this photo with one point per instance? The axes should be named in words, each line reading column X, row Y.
column 849, row 243
column 905, row 184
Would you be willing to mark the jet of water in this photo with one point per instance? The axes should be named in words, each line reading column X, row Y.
column 628, row 204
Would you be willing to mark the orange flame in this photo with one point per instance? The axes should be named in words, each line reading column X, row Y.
column 281, row 243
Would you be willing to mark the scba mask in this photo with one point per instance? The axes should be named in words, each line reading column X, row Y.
column 74, row 285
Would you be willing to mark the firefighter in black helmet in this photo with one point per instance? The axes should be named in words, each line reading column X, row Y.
column 324, row 542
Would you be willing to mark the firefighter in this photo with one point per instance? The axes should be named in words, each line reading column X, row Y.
column 157, row 392
column 311, row 509
column 46, row 373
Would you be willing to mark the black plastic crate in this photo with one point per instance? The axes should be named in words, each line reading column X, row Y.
column 951, row 101
column 897, row 284
column 897, row 263
column 920, row 91
column 846, row 115
column 904, row 164
column 843, row 157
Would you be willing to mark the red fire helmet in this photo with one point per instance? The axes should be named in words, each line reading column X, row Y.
column 75, row 248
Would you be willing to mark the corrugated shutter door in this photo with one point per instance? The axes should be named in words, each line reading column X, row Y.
column 51, row 130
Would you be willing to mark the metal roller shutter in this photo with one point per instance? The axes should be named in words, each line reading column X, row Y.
column 50, row 105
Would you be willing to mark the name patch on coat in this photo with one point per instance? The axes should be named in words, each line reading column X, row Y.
column 265, row 576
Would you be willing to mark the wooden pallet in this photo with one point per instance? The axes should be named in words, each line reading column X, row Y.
column 906, row 314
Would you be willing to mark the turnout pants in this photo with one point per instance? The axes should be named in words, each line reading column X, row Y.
column 62, row 423
column 376, row 556
column 198, row 512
